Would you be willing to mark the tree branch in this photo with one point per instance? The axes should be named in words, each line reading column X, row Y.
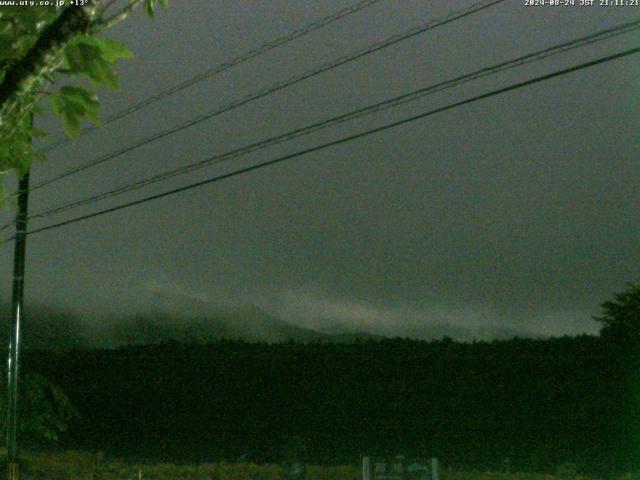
column 118, row 17
column 20, row 76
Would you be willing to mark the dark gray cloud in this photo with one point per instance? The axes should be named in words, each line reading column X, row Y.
column 520, row 211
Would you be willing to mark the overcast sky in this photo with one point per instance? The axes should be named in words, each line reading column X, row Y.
column 518, row 211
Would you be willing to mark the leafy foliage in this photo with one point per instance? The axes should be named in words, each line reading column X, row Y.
column 73, row 53
column 94, row 57
column 45, row 411
column 73, row 104
column 620, row 317
column 18, row 31
column 19, row 28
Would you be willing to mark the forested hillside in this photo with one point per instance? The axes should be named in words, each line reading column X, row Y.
column 541, row 403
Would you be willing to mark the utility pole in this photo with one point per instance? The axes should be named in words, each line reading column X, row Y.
column 16, row 317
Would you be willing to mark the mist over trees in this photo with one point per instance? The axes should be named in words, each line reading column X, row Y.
column 46, row 328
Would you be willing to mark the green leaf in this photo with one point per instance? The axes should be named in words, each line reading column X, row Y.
column 74, row 104
column 6, row 46
column 70, row 120
column 94, row 57
column 5, row 154
column 113, row 50
column 104, row 74
column 110, row 50
column 74, row 59
column 84, row 98
column 150, row 6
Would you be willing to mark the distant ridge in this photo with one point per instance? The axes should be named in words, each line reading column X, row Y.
column 185, row 319
column 182, row 318
column 425, row 331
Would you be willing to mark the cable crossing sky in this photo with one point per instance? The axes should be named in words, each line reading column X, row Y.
column 388, row 126
column 222, row 67
column 383, row 44
column 358, row 113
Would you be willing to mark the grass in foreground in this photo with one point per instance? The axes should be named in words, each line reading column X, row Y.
column 87, row 466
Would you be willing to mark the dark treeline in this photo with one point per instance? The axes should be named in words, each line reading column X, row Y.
column 541, row 403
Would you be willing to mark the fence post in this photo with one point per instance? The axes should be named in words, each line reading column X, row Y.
column 434, row 469
column 366, row 468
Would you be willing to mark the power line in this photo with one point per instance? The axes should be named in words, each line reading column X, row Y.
column 340, row 141
column 210, row 72
column 368, row 110
column 392, row 40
